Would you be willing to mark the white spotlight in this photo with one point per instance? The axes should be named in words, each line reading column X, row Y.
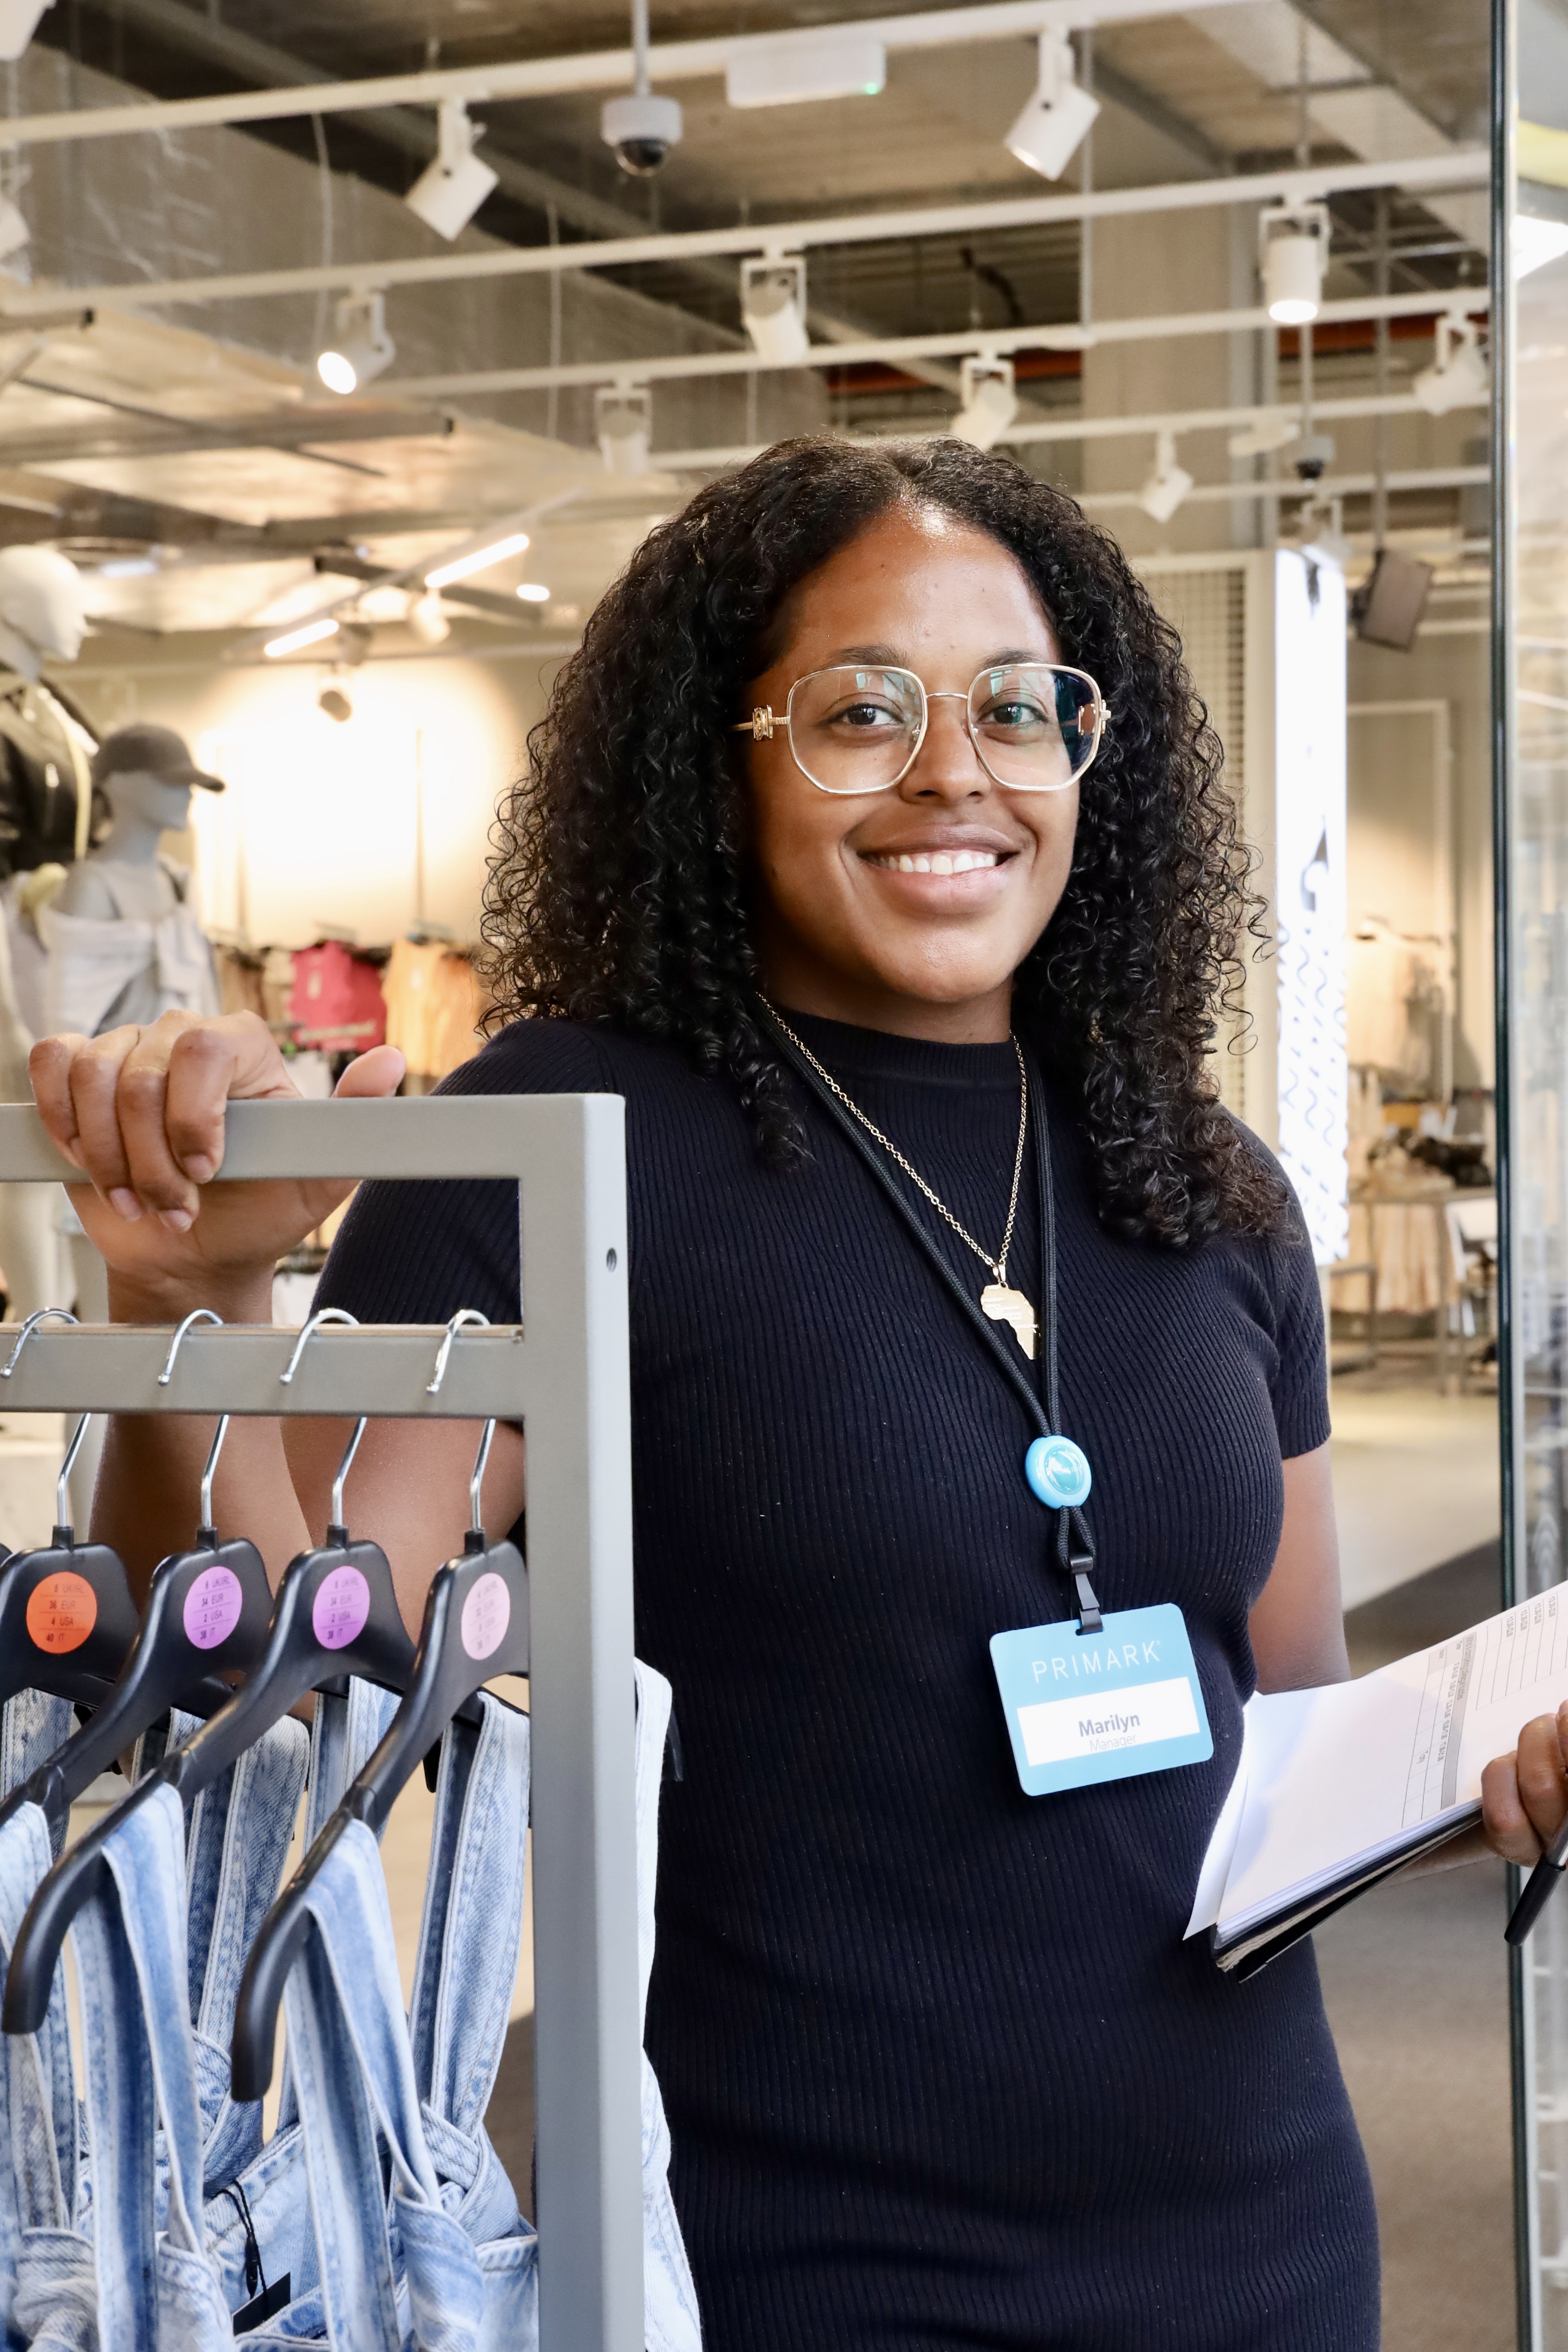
column 18, row 22
column 385, row 604
column 1258, row 440
column 534, row 592
column 1293, row 252
column 1167, row 484
column 361, row 347
column 623, row 420
column 773, row 307
column 990, row 401
column 428, row 620
column 1055, row 123
column 450, row 191
column 801, row 67
column 1457, row 378
column 1536, row 242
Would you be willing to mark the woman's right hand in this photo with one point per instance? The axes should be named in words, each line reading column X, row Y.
column 140, row 1112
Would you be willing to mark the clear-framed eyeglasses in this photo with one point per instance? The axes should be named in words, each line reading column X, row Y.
column 1035, row 726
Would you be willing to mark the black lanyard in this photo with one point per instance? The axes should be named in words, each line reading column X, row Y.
column 1074, row 1544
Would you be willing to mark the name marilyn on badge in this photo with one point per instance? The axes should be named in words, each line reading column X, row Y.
column 1086, row 1708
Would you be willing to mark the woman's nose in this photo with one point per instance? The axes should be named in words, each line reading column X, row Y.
column 948, row 763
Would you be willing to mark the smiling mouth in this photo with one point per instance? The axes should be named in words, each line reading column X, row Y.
column 936, row 861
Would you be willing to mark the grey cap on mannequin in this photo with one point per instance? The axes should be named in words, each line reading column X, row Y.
column 148, row 751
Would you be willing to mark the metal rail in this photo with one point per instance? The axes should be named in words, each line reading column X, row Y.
column 566, row 1376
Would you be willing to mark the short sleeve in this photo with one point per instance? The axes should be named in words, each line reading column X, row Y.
column 1300, row 1387
column 416, row 1253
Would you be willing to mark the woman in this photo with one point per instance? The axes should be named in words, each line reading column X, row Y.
column 939, row 2067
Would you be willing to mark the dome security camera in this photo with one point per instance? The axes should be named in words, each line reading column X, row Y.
column 642, row 129
column 1310, row 456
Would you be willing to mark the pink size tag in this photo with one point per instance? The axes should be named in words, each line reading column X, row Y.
column 339, row 1610
column 486, row 1613
column 212, row 1607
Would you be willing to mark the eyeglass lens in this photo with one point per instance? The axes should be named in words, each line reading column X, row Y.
column 854, row 730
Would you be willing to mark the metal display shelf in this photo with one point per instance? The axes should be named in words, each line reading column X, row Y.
column 564, row 1373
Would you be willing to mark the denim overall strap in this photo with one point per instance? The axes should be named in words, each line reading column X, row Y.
column 354, row 2072
column 670, row 2318
column 468, row 1960
column 38, row 2155
column 155, row 2292
column 257, row 1802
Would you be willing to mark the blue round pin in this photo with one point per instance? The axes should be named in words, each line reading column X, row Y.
column 1057, row 1472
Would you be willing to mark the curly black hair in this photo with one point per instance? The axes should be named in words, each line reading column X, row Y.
column 620, row 888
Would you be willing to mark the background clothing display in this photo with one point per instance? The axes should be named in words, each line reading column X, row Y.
column 938, row 2064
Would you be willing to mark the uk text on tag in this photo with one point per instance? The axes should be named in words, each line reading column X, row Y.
column 1084, row 1708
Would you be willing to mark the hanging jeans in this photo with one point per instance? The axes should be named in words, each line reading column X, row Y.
column 447, row 2263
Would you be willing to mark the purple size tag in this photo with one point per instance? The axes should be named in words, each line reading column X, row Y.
column 486, row 1613
column 212, row 1606
column 340, row 1608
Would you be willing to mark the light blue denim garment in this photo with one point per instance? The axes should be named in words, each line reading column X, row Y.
column 31, row 1727
column 158, row 2290
column 451, row 2265
column 39, row 2155
column 347, row 1729
column 412, row 2281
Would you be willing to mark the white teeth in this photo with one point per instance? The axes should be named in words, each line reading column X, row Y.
column 941, row 861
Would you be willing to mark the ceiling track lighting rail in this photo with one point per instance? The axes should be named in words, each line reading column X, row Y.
column 607, row 69
column 1462, row 168
column 680, row 367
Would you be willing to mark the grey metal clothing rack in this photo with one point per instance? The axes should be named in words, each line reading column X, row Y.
column 564, row 1373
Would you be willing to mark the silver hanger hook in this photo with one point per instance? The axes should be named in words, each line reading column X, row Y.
column 464, row 1317
column 325, row 1314
column 340, row 1525
column 61, row 1314
column 476, row 1483
column 207, row 1531
column 62, row 1497
column 196, row 1315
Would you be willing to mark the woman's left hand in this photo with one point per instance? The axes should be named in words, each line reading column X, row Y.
column 1524, row 1796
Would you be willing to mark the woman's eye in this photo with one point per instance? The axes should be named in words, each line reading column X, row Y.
column 866, row 714
column 1014, row 716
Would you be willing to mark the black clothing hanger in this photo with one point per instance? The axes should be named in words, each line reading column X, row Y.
column 67, row 1639
column 168, row 1666
column 301, row 1655
column 469, row 1635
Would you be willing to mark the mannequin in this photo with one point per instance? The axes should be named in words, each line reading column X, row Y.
column 43, row 609
column 123, row 938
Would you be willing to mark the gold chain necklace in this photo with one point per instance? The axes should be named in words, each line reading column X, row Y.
column 998, row 1300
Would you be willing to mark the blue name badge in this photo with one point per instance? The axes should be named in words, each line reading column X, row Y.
column 1082, row 1707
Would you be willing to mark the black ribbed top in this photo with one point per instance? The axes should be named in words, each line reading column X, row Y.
column 939, row 2068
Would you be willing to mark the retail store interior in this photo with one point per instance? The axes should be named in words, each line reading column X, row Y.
column 328, row 476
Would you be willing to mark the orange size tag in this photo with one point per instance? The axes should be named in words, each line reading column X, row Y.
column 62, row 1610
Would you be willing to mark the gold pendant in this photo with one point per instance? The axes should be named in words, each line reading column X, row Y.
column 1005, row 1305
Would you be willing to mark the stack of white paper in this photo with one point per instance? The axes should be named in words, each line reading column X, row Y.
column 1339, row 1786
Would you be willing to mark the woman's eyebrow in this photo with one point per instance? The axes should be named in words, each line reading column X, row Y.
column 891, row 657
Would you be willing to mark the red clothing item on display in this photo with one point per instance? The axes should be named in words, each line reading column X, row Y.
column 336, row 1002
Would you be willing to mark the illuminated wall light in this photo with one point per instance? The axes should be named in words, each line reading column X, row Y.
column 990, row 401
column 1055, row 123
column 803, row 67
column 361, row 348
column 533, row 592
column 311, row 632
column 773, row 307
column 449, row 190
column 1293, row 252
column 462, row 567
column 429, row 622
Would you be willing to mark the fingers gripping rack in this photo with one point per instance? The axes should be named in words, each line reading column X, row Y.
column 563, row 1375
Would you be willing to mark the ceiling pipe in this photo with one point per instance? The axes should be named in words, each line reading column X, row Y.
column 893, row 350
column 1464, row 167
column 1002, row 20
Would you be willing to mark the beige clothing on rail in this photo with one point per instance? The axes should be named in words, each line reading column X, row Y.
column 434, row 1002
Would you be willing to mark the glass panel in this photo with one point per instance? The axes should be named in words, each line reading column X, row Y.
column 1532, row 568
